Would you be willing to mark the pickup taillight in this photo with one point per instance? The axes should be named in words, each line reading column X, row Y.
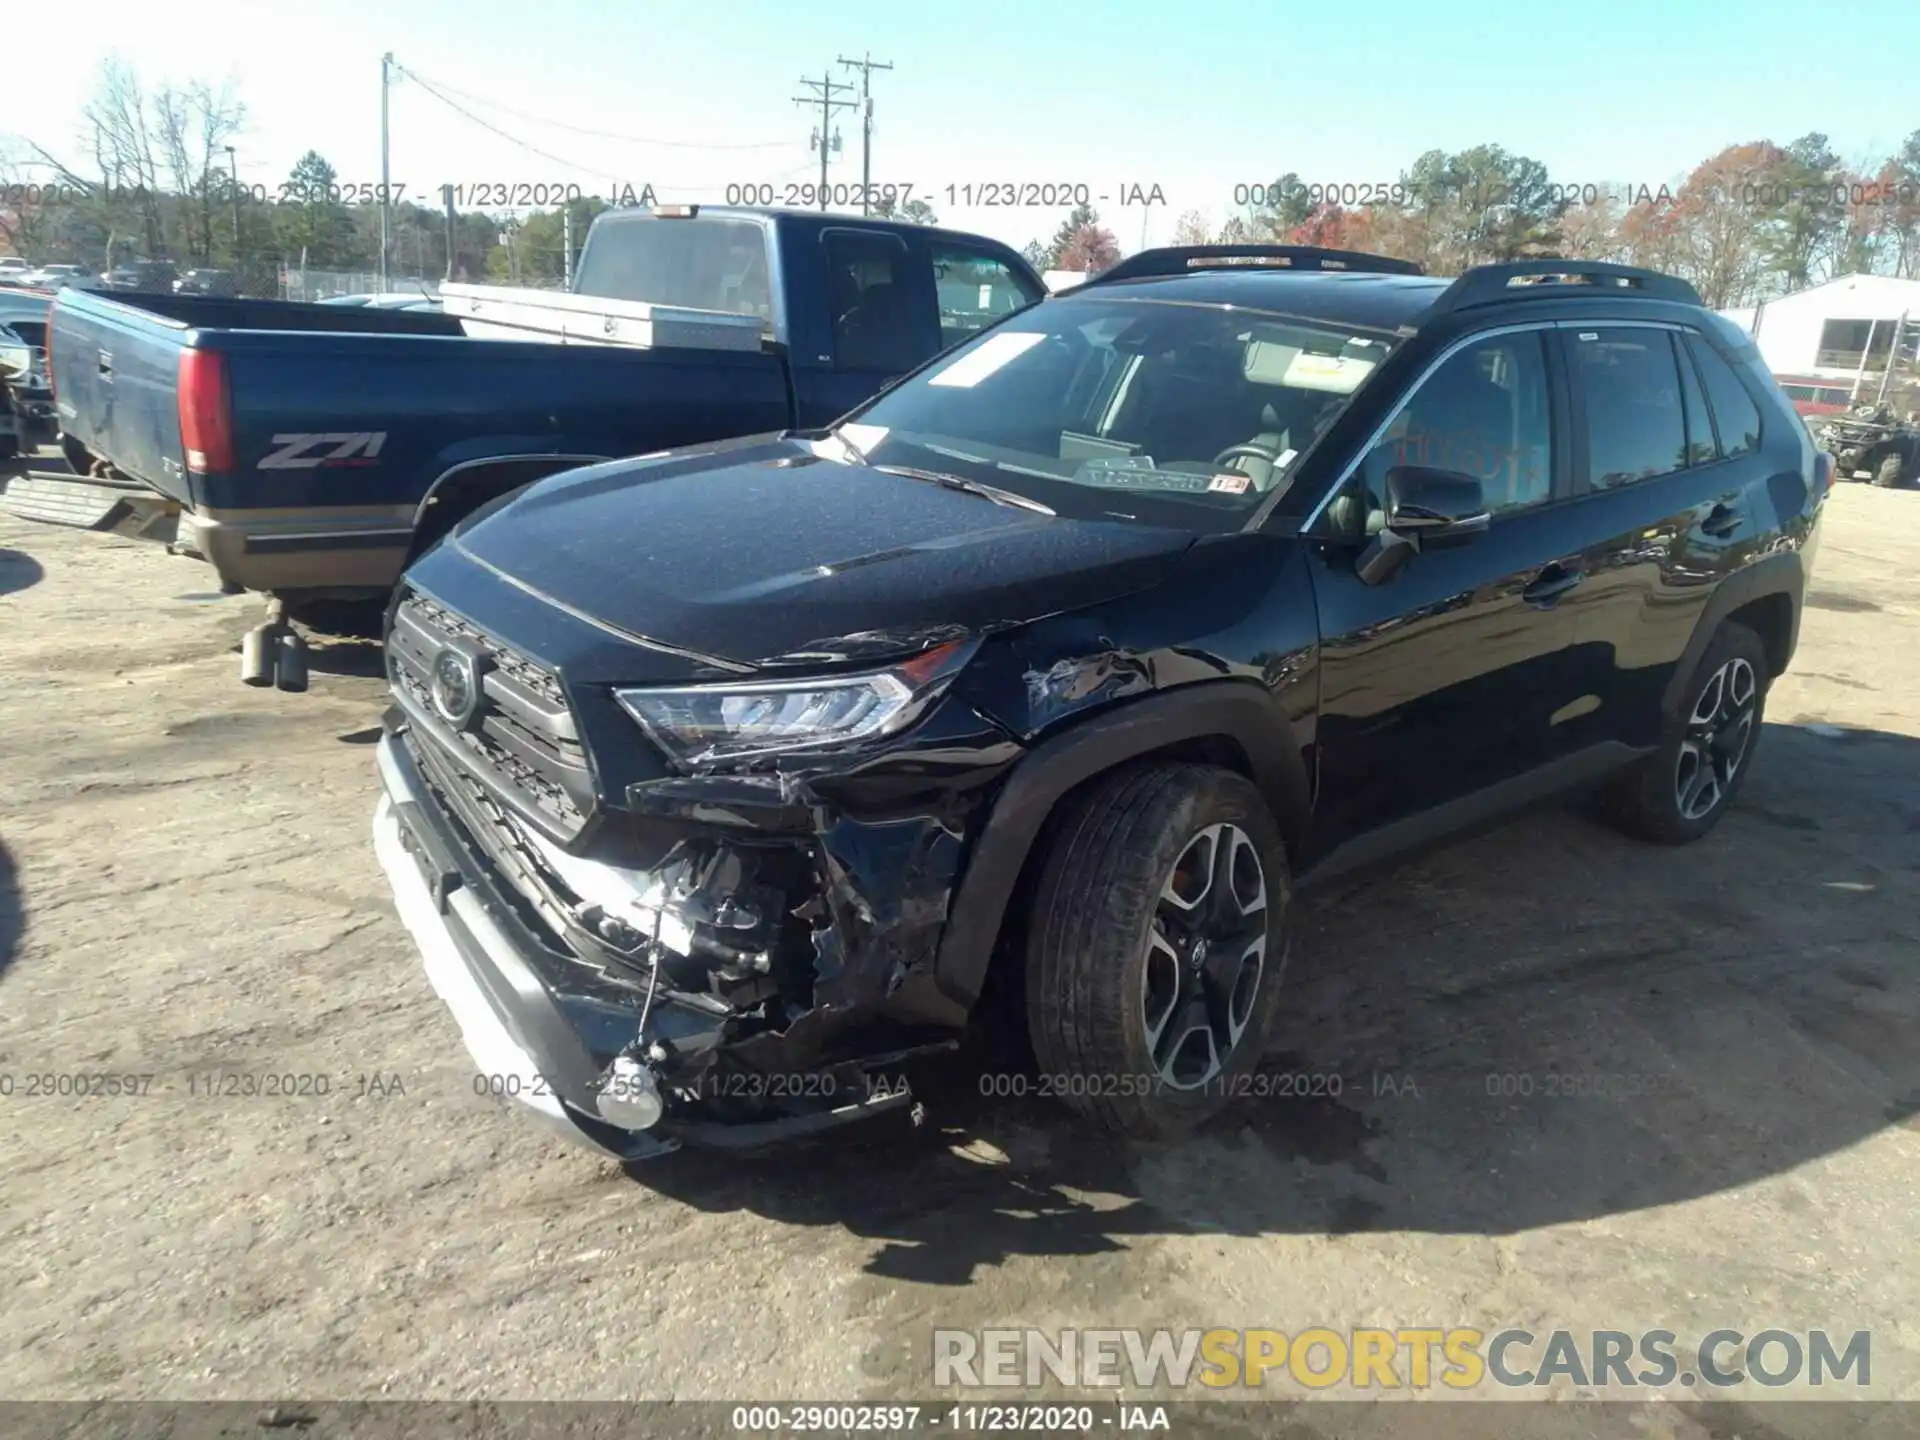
column 206, row 413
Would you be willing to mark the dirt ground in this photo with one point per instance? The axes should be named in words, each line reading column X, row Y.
column 187, row 888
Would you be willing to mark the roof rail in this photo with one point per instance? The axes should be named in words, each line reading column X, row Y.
column 1543, row 279
column 1183, row 259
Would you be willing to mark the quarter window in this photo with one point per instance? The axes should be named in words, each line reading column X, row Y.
column 1635, row 418
column 1735, row 416
column 1700, row 447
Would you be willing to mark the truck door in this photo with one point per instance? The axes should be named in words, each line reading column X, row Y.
column 882, row 315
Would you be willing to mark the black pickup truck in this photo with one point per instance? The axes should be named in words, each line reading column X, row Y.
column 310, row 452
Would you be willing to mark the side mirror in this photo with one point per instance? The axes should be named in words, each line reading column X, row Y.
column 1427, row 509
column 1429, row 506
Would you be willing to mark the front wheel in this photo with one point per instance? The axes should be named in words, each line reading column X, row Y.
column 1887, row 474
column 1679, row 792
column 1156, row 947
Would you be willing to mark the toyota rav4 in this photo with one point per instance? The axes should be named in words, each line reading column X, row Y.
column 720, row 782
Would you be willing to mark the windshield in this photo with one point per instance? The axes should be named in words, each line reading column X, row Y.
column 1172, row 414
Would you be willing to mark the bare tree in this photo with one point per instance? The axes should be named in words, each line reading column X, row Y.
column 122, row 139
column 196, row 123
column 1192, row 229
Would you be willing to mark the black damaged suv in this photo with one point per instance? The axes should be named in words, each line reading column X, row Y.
column 719, row 781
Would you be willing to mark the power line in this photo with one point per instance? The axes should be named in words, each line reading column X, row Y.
column 487, row 125
column 604, row 134
column 560, row 160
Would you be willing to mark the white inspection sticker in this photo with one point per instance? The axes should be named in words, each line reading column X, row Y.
column 984, row 359
column 1230, row 484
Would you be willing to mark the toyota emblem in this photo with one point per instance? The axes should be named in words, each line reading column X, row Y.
column 456, row 687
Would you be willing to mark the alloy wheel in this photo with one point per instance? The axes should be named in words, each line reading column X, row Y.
column 1718, row 734
column 1206, row 956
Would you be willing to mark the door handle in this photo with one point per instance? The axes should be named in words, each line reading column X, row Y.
column 1550, row 584
column 106, row 364
column 1721, row 521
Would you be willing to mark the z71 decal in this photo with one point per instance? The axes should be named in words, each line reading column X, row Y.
column 314, row 452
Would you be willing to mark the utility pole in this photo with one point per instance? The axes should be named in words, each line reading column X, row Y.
column 866, row 67
column 826, row 97
column 386, row 189
column 233, row 168
column 1893, row 357
column 446, row 196
column 566, row 244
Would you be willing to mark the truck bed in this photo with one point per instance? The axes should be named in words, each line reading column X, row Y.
column 336, row 408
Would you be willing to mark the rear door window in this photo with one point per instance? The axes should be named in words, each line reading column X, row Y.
column 1636, row 424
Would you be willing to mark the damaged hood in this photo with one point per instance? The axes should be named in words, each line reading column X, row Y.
column 768, row 555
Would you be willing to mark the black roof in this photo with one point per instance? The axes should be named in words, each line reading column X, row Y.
column 1361, row 299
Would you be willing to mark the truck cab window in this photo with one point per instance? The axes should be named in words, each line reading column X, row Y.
column 975, row 290
column 700, row 264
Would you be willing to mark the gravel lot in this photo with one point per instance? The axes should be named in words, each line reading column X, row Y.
column 187, row 886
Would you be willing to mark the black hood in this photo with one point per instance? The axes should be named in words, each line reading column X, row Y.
column 765, row 554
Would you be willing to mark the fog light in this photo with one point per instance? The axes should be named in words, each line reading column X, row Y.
column 629, row 1095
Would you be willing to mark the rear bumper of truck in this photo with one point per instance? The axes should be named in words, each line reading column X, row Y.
column 362, row 549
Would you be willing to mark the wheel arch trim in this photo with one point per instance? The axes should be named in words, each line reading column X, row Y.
column 1242, row 711
column 1781, row 574
column 483, row 462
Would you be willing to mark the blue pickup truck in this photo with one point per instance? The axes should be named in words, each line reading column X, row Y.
column 311, row 452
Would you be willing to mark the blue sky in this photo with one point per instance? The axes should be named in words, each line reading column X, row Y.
column 1193, row 97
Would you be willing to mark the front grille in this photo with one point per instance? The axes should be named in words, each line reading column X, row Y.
column 521, row 742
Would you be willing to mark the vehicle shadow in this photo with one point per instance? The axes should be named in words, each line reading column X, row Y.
column 330, row 655
column 19, row 571
column 1547, row 1023
column 13, row 914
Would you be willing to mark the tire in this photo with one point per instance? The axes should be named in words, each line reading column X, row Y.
column 1099, row 986
column 1655, row 799
column 347, row 619
column 1888, row 473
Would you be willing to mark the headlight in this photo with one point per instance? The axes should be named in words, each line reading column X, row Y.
column 701, row 724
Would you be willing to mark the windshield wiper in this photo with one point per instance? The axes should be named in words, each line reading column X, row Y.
column 971, row 487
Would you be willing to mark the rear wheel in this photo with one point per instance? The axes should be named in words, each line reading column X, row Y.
column 1679, row 792
column 1889, row 472
column 1156, row 948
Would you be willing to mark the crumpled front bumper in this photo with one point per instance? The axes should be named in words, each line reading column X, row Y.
column 532, row 1035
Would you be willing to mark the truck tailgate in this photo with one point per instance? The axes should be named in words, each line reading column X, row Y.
column 114, row 373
